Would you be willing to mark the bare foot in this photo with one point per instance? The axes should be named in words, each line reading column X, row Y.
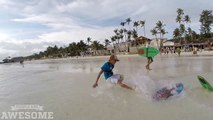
column 134, row 88
column 149, row 69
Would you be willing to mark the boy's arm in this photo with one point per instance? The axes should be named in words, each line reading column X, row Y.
column 96, row 82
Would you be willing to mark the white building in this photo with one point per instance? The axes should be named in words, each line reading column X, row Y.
column 157, row 43
column 168, row 43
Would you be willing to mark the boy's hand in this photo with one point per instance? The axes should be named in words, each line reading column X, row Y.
column 95, row 85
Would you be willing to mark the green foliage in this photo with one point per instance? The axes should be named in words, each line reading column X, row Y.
column 176, row 33
column 206, row 19
column 97, row 46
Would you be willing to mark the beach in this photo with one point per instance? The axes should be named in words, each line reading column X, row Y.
column 106, row 60
column 64, row 87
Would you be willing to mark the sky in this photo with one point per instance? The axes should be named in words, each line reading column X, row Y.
column 30, row 26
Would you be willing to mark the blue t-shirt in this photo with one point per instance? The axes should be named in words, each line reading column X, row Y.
column 107, row 68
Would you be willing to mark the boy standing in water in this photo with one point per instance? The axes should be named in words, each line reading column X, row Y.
column 150, row 59
column 108, row 74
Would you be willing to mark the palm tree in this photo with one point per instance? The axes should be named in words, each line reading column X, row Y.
column 160, row 30
column 116, row 31
column 180, row 15
column 206, row 19
column 95, row 46
column 142, row 23
column 159, row 27
column 113, row 40
column 117, row 39
column 176, row 33
column 155, row 32
column 182, row 21
column 88, row 43
column 121, row 32
column 125, row 30
column 163, row 32
column 116, row 36
column 55, row 49
column 189, row 32
column 187, row 19
column 129, row 34
column 125, row 34
column 122, row 24
column 194, row 35
column 121, row 37
column 179, row 19
column 88, row 40
column 73, row 49
column 49, row 51
column 182, row 31
column 82, row 47
column 128, row 20
column 136, row 24
column 135, row 35
column 107, row 42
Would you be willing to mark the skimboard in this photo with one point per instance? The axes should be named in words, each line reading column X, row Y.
column 151, row 51
column 165, row 93
column 204, row 83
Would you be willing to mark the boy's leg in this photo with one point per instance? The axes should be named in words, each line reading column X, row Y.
column 120, row 82
column 148, row 62
column 151, row 60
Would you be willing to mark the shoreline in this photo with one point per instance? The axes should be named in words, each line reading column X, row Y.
column 183, row 54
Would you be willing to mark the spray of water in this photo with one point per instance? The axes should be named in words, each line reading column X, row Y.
column 148, row 87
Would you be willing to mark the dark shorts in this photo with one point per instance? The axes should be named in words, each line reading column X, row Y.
column 150, row 58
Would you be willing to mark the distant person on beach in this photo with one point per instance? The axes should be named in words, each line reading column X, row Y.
column 195, row 50
column 178, row 51
column 108, row 73
column 22, row 63
column 161, row 50
column 150, row 59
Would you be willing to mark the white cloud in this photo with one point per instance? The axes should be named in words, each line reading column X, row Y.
column 55, row 22
column 73, row 20
column 14, row 47
column 3, row 36
column 66, row 37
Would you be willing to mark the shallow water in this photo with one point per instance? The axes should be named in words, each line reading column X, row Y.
column 65, row 87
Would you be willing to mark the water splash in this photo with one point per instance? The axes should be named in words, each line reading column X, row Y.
column 148, row 87
column 144, row 85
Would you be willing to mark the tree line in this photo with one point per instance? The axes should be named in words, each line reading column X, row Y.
column 184, row 33
column 128, row 31
column 73, row 49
